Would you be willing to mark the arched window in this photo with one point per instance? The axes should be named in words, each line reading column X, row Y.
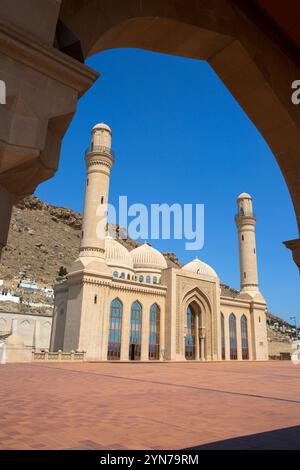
column 122, row 276
column 190, row 337
column 141, row 278
column 232, row 337
column 222, row 336
column 148, row 280
column 135, row 332
column 116, row 275
column 128, row 276
column 115, row 327
column 154, row 332
column 244, row 337
column 155, row 280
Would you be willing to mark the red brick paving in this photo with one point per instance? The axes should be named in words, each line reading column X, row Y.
column 143, row 406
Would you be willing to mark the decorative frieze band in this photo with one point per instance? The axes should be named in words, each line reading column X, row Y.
column 139, row 289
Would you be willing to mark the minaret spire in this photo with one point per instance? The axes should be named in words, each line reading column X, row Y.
column 99, row 161
column 245, row 221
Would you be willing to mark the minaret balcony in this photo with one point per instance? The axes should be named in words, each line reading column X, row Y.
column 245, row 215
column 102, row 150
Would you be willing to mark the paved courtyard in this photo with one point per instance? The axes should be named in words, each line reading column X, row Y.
column 149, row 406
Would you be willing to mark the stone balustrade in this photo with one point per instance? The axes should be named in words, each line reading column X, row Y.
column 58, row 356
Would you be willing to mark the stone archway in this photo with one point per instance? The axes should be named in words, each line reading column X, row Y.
column 255, row 62
column 204, row 344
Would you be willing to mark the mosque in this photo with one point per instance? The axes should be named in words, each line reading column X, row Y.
column 120, row 305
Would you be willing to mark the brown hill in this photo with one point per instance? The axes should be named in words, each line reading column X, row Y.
column 43, row 238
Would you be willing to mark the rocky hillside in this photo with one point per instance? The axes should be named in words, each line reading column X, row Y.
column 43, row 238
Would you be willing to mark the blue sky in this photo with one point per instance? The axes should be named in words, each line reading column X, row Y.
column 179, row 136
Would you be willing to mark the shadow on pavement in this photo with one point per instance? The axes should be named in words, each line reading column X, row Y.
column 280, row 439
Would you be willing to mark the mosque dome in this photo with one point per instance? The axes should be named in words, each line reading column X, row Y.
column 145, row 256
column 199, row 267
column 244, row 196
column 103, row 126
column 117, row 255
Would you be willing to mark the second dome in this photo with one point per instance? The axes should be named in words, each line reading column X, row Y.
column 145, row 256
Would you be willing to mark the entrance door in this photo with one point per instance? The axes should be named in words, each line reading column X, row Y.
column 135, row 332
column 135, row 352
column 190, row 339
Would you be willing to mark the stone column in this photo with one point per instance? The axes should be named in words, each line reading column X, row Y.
column 162, row 333
column 238, row 337
column 197, row 337
column 145, row 334
column 36, row 340
column 125, row 332
column 202, row 343
column 105, row 323
column 53, row 329
column 14, row 326
column 226, row 335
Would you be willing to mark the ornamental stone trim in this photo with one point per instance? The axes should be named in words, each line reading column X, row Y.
column 139, row 289
column 91, row 250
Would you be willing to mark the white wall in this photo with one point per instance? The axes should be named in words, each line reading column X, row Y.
column 34, row 330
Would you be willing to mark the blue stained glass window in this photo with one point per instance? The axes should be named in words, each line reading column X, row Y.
column 244, row 337
column 154, row 332
column 115, row 327
column 232, row 337
column 135, row 331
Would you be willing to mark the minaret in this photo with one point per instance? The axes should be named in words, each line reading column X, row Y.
column 245, row 221
column 81, row 320
column 99, row 161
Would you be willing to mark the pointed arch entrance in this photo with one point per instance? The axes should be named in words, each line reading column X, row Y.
column 193, row 338
column 194, row 331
